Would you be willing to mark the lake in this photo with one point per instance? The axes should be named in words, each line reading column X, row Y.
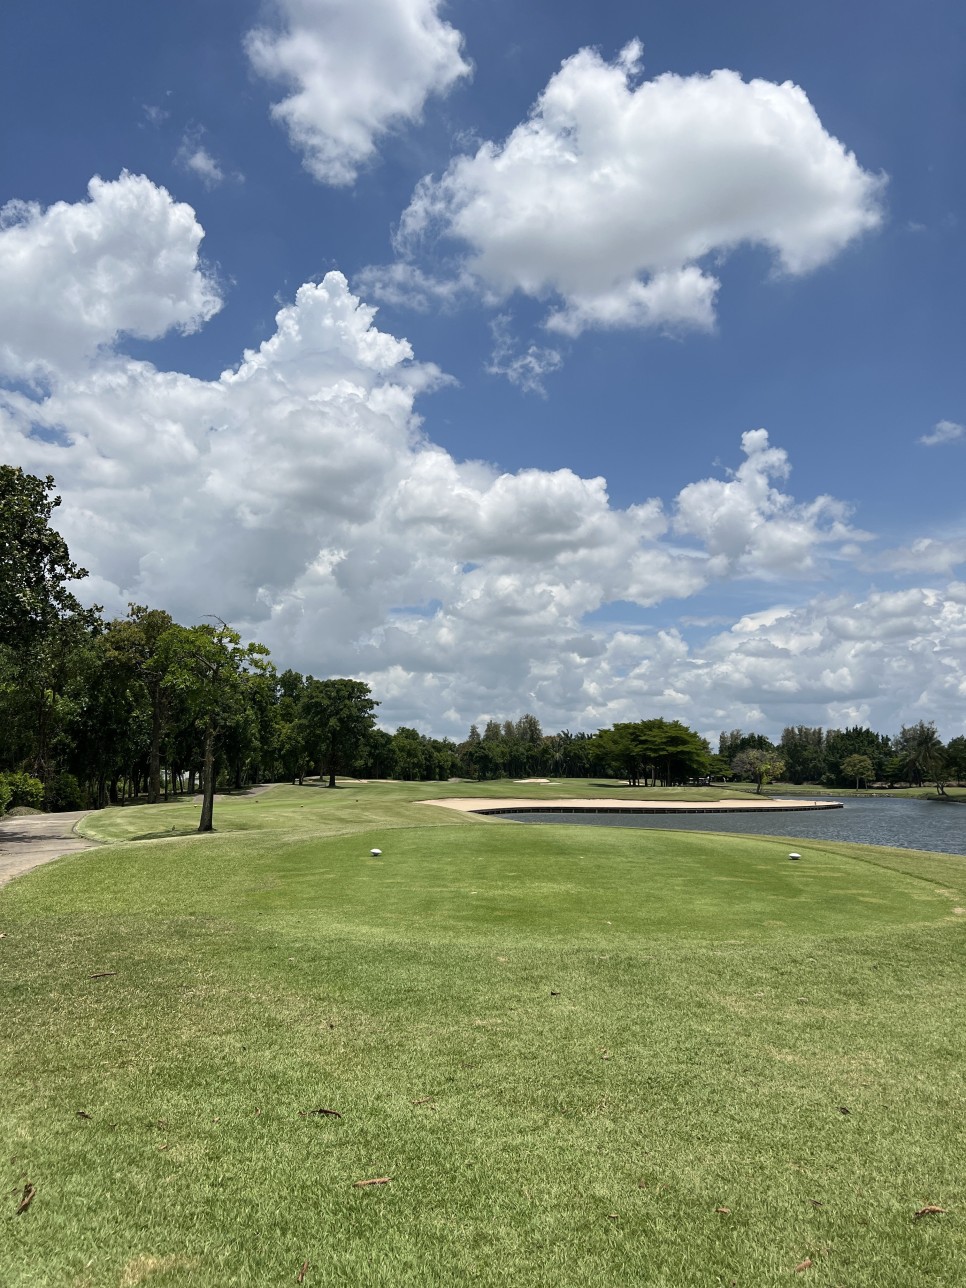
column 908, row 824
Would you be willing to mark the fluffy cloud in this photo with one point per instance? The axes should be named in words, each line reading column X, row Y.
column 355, row 68
column 76, row 276
column 299, row 496
column 748, row 526
column 614, row 191
column 944, row 431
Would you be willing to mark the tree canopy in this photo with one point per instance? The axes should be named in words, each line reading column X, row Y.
column 35, row 565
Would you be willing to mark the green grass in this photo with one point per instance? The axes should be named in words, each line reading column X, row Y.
column 566, row 1046
column 814, row 790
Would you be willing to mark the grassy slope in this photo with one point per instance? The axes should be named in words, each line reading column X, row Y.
column 566, row 1047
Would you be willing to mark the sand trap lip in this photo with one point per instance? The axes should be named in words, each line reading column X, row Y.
column 609, row 805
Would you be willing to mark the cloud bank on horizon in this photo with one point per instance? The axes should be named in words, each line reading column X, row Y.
column 303, row 495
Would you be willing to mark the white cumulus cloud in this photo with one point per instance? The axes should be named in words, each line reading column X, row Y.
column 299, row 496
column 77, row 275
column 614, row 192
column 353, row 70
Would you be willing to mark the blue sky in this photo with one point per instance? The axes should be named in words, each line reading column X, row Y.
column 609, row 261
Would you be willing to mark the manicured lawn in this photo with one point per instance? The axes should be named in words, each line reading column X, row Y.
column 566, row 1047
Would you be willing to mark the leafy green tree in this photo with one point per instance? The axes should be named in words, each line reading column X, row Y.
column 338, row 716
column 803, row 751
column 35, row 564
column 956, row 757
column 210, row 668
column 729, row 744
column 292, row 752
column 134, row 641
column 671, row 751
column 45, row 679
column 923, row 753
column 109, row 730
column 860, row 768
column 758, row 766
column 854, row 741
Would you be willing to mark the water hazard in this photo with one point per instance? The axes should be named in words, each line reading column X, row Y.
column 907, row 824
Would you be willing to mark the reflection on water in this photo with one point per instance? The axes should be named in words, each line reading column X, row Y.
column 908, row 824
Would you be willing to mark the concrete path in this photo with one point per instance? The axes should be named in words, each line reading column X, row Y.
column 29, row 840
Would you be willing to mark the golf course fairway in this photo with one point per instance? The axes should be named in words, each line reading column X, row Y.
column 561, row 1056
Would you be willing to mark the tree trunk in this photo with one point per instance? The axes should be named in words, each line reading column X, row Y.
column 154, row 758
column 331, row 777
column 208, row 783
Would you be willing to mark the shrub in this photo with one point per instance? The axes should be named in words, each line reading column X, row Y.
column 65, row 792
column 24, row 789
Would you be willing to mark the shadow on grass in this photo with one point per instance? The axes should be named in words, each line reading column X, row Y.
column 169, row 834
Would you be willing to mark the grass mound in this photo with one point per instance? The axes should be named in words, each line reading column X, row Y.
column 580, row 1057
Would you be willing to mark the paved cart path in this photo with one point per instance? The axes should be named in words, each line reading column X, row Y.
column 28, row 840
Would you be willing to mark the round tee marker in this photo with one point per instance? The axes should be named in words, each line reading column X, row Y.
column 793, row 855
column 375, row 853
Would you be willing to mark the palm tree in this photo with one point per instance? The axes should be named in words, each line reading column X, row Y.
column 923, row 752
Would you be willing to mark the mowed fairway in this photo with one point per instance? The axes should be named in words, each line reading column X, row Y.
column 581, row 1056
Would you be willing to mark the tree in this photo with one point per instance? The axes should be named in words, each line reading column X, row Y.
column 134, row 641
column 210, row 668
column 758, row 766
column 924, row 755
column 669, row 749
column 338, row 716
column 854, row 741
column 956, row 757
column 729, row 744
column 35, row 565
column 803, row 751
column 859, row 768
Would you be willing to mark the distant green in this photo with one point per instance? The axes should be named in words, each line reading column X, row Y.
column 565, row 1046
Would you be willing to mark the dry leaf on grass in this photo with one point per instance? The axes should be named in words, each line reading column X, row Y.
column 844, row 1110
column 803, row 1265
column 376, row 1180
column 300, row 1277
column 929, row 1210
column 82, row 1113
column 321, row 1113
column 103, row 974
column 724, row 1211
column 424, row 1100
column 29, row 1192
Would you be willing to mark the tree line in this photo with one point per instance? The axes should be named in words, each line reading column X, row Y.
column 852, row 757
column 97, row 711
